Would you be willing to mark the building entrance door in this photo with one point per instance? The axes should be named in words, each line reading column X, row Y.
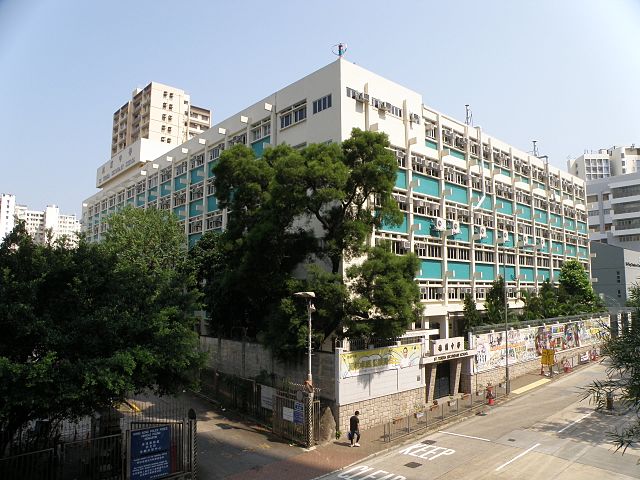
column 443, row 384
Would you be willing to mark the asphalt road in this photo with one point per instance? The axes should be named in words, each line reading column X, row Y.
column 548, row 433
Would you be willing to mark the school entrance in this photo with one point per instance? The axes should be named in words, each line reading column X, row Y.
column 443, row 380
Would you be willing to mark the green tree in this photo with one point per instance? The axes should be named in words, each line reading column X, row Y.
column 289, row 208
column 83, row 327
column 623, row 382
column 472, row 317
column 542, row 304
column 387, row 298
column 494, row 303
column 575, row 293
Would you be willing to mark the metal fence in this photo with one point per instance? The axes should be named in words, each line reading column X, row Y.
column 96, row 447
column 444, row 410
column 303, row 426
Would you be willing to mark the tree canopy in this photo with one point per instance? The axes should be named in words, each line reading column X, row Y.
column 83, row 327
column 291, row 209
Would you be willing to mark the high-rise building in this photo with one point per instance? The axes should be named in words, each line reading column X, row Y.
column 160, row 113
column 605, row 163
column 613, row 206
column 41, row 225
column 475, row 207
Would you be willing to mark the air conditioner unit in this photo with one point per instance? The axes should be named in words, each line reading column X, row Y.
column 441, row 224
column 504, row 236
column 482, row 231
column 415, row 118
column 406, row 245
column 362, row 97
column 383, row 106
column 461, row 142
column 542, row 242
column 455, row 227
column 524, row 241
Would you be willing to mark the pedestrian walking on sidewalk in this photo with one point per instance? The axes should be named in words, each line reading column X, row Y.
column 354, row 429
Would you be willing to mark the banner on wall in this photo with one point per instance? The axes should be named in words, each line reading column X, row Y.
column 375, row 360
column 528, row 343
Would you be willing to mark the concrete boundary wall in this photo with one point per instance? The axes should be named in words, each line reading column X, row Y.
column 249, row 360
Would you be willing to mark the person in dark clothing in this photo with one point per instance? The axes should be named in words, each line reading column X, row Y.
column 354, row 429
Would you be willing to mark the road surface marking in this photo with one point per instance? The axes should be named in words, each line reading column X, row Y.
column 517, row 457
column 465, row 436
column 356, row 472
column 573, row 423
column 520, row 390
column 421, row 450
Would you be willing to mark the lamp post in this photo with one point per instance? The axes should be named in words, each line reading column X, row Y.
column 505, row 238
column 309, row 296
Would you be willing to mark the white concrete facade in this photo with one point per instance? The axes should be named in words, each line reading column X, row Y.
column 462, row 190
column 41, row 225
column 614, row 210
column 605, row 163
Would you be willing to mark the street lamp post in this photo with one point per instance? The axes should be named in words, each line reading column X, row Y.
column 506, row 321
column 309, row 296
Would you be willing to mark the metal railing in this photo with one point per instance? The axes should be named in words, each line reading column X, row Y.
column 437, row 414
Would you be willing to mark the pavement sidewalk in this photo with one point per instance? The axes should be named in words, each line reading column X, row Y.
column 306, row 464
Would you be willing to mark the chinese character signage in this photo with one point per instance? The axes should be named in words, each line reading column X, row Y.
column 150, row 453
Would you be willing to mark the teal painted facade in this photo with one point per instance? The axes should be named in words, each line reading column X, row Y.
column 402, row 228
column 195, row 208
column 504, row 205
column 180, row 183
column 165, row 188
column 540, row 216
column 431, row 269
column 197, row 174
column 401, row 179
column 570, row 224
column 526, row 274
column 581, row 227
column 152, row 194
column 557, row 248
column 431, row 144
column 556, row 220
column 425, row 225
column 462, row 270
column 525, row 211
column 458, row 193
column 463, row 236
column 426, row 185
column 456, row 154
column 212, row 203
column 487, row 270
column 193, row 239
column 180, row 211
column 582, row 252
column 507, row 173
column 140, row 199
column 571, row 250
column 210, row 166
column 258, row 146
column 544, row 273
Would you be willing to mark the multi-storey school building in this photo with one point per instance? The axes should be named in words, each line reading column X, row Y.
column 475, row 207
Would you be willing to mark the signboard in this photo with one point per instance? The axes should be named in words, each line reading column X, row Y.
column 298, row 413
column 266, row 397
column 287, row 414
column 547, row 356
column 150, row 453
column 448, row 356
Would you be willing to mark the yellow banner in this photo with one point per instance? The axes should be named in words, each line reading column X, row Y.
column 547, row 356
column 379, row 359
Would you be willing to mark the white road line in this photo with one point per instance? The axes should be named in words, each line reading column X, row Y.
column 517, row 457
column 573, row 423
column 465, row 436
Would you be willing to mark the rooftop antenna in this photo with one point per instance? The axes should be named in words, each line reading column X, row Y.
column 468, row 119
column 339, row 49
column 535, row 148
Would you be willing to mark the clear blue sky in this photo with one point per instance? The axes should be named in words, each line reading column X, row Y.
column 565, row 73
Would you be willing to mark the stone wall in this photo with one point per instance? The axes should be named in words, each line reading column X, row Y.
column 376, row 411
column 249, row 360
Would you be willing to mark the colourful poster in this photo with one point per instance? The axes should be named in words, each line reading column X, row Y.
column 374, row 360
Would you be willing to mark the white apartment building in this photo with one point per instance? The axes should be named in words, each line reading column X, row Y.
column 605, row 163
column 41, row 225
column 613, row 206
column 159, row 113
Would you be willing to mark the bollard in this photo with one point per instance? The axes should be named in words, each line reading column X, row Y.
column 609, row 400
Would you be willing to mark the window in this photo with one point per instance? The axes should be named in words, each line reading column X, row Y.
column 322, row 104
column 170, row 106
column 164, row 105
column 292, row 115
column 168, row 140
column 164, row 117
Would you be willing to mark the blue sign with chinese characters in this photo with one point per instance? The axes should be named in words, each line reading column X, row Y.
column 150, row 453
